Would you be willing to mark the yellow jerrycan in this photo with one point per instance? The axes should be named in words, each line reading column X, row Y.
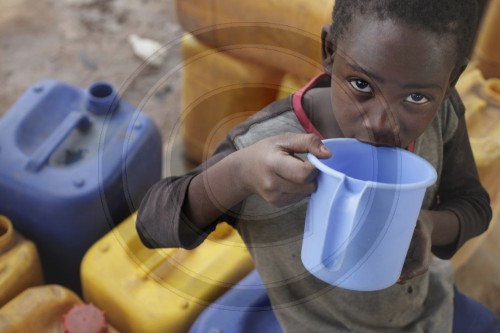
column 486, row 55
column 164, row 290
column 481, row 98
column 278, row 34
column 51, row 309
column 20, row 266
column 218, row 92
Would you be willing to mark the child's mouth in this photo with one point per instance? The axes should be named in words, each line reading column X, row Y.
column 381, row 143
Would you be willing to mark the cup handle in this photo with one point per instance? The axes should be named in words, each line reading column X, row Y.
column 341, row 222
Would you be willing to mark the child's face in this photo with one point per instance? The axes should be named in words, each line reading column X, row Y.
column 388, row 80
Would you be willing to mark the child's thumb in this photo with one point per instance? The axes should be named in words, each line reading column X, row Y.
column 318, row 148
column 305, row 143
column 324, row 151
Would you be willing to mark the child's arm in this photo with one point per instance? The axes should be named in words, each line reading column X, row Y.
column 182, row 210
column 462, row 194
column 434, row 228
column 267, row 168
column 463, row 210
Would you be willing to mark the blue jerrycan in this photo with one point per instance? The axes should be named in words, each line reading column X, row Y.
column 73, row 164
column 245, row 308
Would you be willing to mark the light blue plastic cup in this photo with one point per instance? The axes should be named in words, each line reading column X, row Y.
column 361, row 218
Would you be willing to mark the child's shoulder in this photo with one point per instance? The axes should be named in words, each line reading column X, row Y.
column 317, row 100
column 276, row 118
column 448, row 117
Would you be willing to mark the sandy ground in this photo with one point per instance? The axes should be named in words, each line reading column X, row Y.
column 82, row 41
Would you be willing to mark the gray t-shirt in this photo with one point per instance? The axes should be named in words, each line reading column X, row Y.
column 273, row 236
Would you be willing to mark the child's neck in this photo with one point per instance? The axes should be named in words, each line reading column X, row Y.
column 317, row 105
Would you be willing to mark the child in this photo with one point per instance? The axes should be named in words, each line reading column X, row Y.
column 390, row 70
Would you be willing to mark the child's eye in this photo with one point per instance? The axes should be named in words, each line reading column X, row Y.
column 361, row 85
column 417, row 99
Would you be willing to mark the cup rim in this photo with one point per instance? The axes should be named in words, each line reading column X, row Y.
column 421, row 184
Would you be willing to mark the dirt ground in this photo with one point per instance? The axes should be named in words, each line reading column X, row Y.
column 82, row 41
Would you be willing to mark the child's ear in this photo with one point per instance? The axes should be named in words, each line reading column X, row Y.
column 456, row 73
column 326, row 49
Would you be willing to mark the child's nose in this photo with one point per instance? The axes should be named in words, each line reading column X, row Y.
column 382, row 126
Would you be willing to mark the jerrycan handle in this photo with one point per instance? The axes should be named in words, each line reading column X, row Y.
column 74, row 119
column 344, row 209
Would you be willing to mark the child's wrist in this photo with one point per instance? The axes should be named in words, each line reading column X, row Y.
column 238, row 175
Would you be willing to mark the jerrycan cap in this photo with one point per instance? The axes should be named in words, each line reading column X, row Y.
column 101, row 98
column 85, row 318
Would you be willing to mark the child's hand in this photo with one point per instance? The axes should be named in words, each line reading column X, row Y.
column 419, row 255
column 270, row 169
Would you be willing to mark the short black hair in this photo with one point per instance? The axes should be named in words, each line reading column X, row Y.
column 454, row 17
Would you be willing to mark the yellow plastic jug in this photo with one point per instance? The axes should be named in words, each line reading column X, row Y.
column 51, row 309
column 144, row 291
column 481, row 98
column 486, row 55
column 218, row 92
column 20, row 266
column 279, row 34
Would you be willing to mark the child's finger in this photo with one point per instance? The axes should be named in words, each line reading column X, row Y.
column 413, row 269
column 305, row 143
column 290, row 192
column 296, row 170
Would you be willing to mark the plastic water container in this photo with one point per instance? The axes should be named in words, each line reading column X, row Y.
column 218, row 92
column 163, row 290
column 481, row 98
column 19, row 263
column 273, row 34
column 486, row 55
column 361, row 218
column 245, row 308
column 52, row 309
column 73, row 163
